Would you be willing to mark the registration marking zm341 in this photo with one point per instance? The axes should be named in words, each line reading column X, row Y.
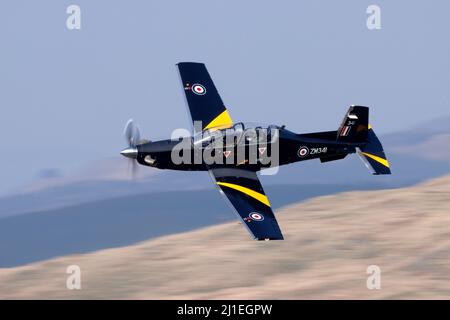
column 318, row 150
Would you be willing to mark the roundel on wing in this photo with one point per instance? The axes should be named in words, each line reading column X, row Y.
column 198, row 89
column 256, row 216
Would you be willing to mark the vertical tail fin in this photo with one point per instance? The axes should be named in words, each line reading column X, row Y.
column 354, row 127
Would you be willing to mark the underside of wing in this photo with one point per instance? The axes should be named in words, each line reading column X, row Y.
column 245, row 193
column 205, row 105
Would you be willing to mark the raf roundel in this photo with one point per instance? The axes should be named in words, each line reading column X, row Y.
column 198, row 89
column 256, row 216
column 303, row 152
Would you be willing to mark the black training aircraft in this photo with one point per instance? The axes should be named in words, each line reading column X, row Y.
column 234, row 153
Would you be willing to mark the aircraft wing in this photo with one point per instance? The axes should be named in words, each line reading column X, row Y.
column 203, row 100
column 245, row 193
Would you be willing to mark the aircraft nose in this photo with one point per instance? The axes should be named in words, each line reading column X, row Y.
column 130, row 153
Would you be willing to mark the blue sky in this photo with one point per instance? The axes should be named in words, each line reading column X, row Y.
column 66, row 95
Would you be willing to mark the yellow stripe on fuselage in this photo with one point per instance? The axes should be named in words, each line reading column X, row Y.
column 384, row 162
column 256, row 195
column 223, row 120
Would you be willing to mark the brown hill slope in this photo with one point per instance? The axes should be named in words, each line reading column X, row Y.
column 329, row 243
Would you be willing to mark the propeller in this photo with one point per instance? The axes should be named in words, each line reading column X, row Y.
column 133, row 137
column 132, row 134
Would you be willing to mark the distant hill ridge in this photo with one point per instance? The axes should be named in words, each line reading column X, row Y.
column 330, row 242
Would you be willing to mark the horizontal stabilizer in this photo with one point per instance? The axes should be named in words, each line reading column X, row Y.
column 373, row 154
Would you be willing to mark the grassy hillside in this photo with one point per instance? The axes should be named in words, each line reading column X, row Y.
column 329, row 243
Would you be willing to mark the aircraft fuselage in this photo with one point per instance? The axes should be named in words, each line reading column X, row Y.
column 249, row 156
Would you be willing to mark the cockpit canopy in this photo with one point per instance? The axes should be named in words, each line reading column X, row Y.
column 239, row 133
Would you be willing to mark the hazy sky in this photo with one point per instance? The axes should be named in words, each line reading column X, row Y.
column 66, row 95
